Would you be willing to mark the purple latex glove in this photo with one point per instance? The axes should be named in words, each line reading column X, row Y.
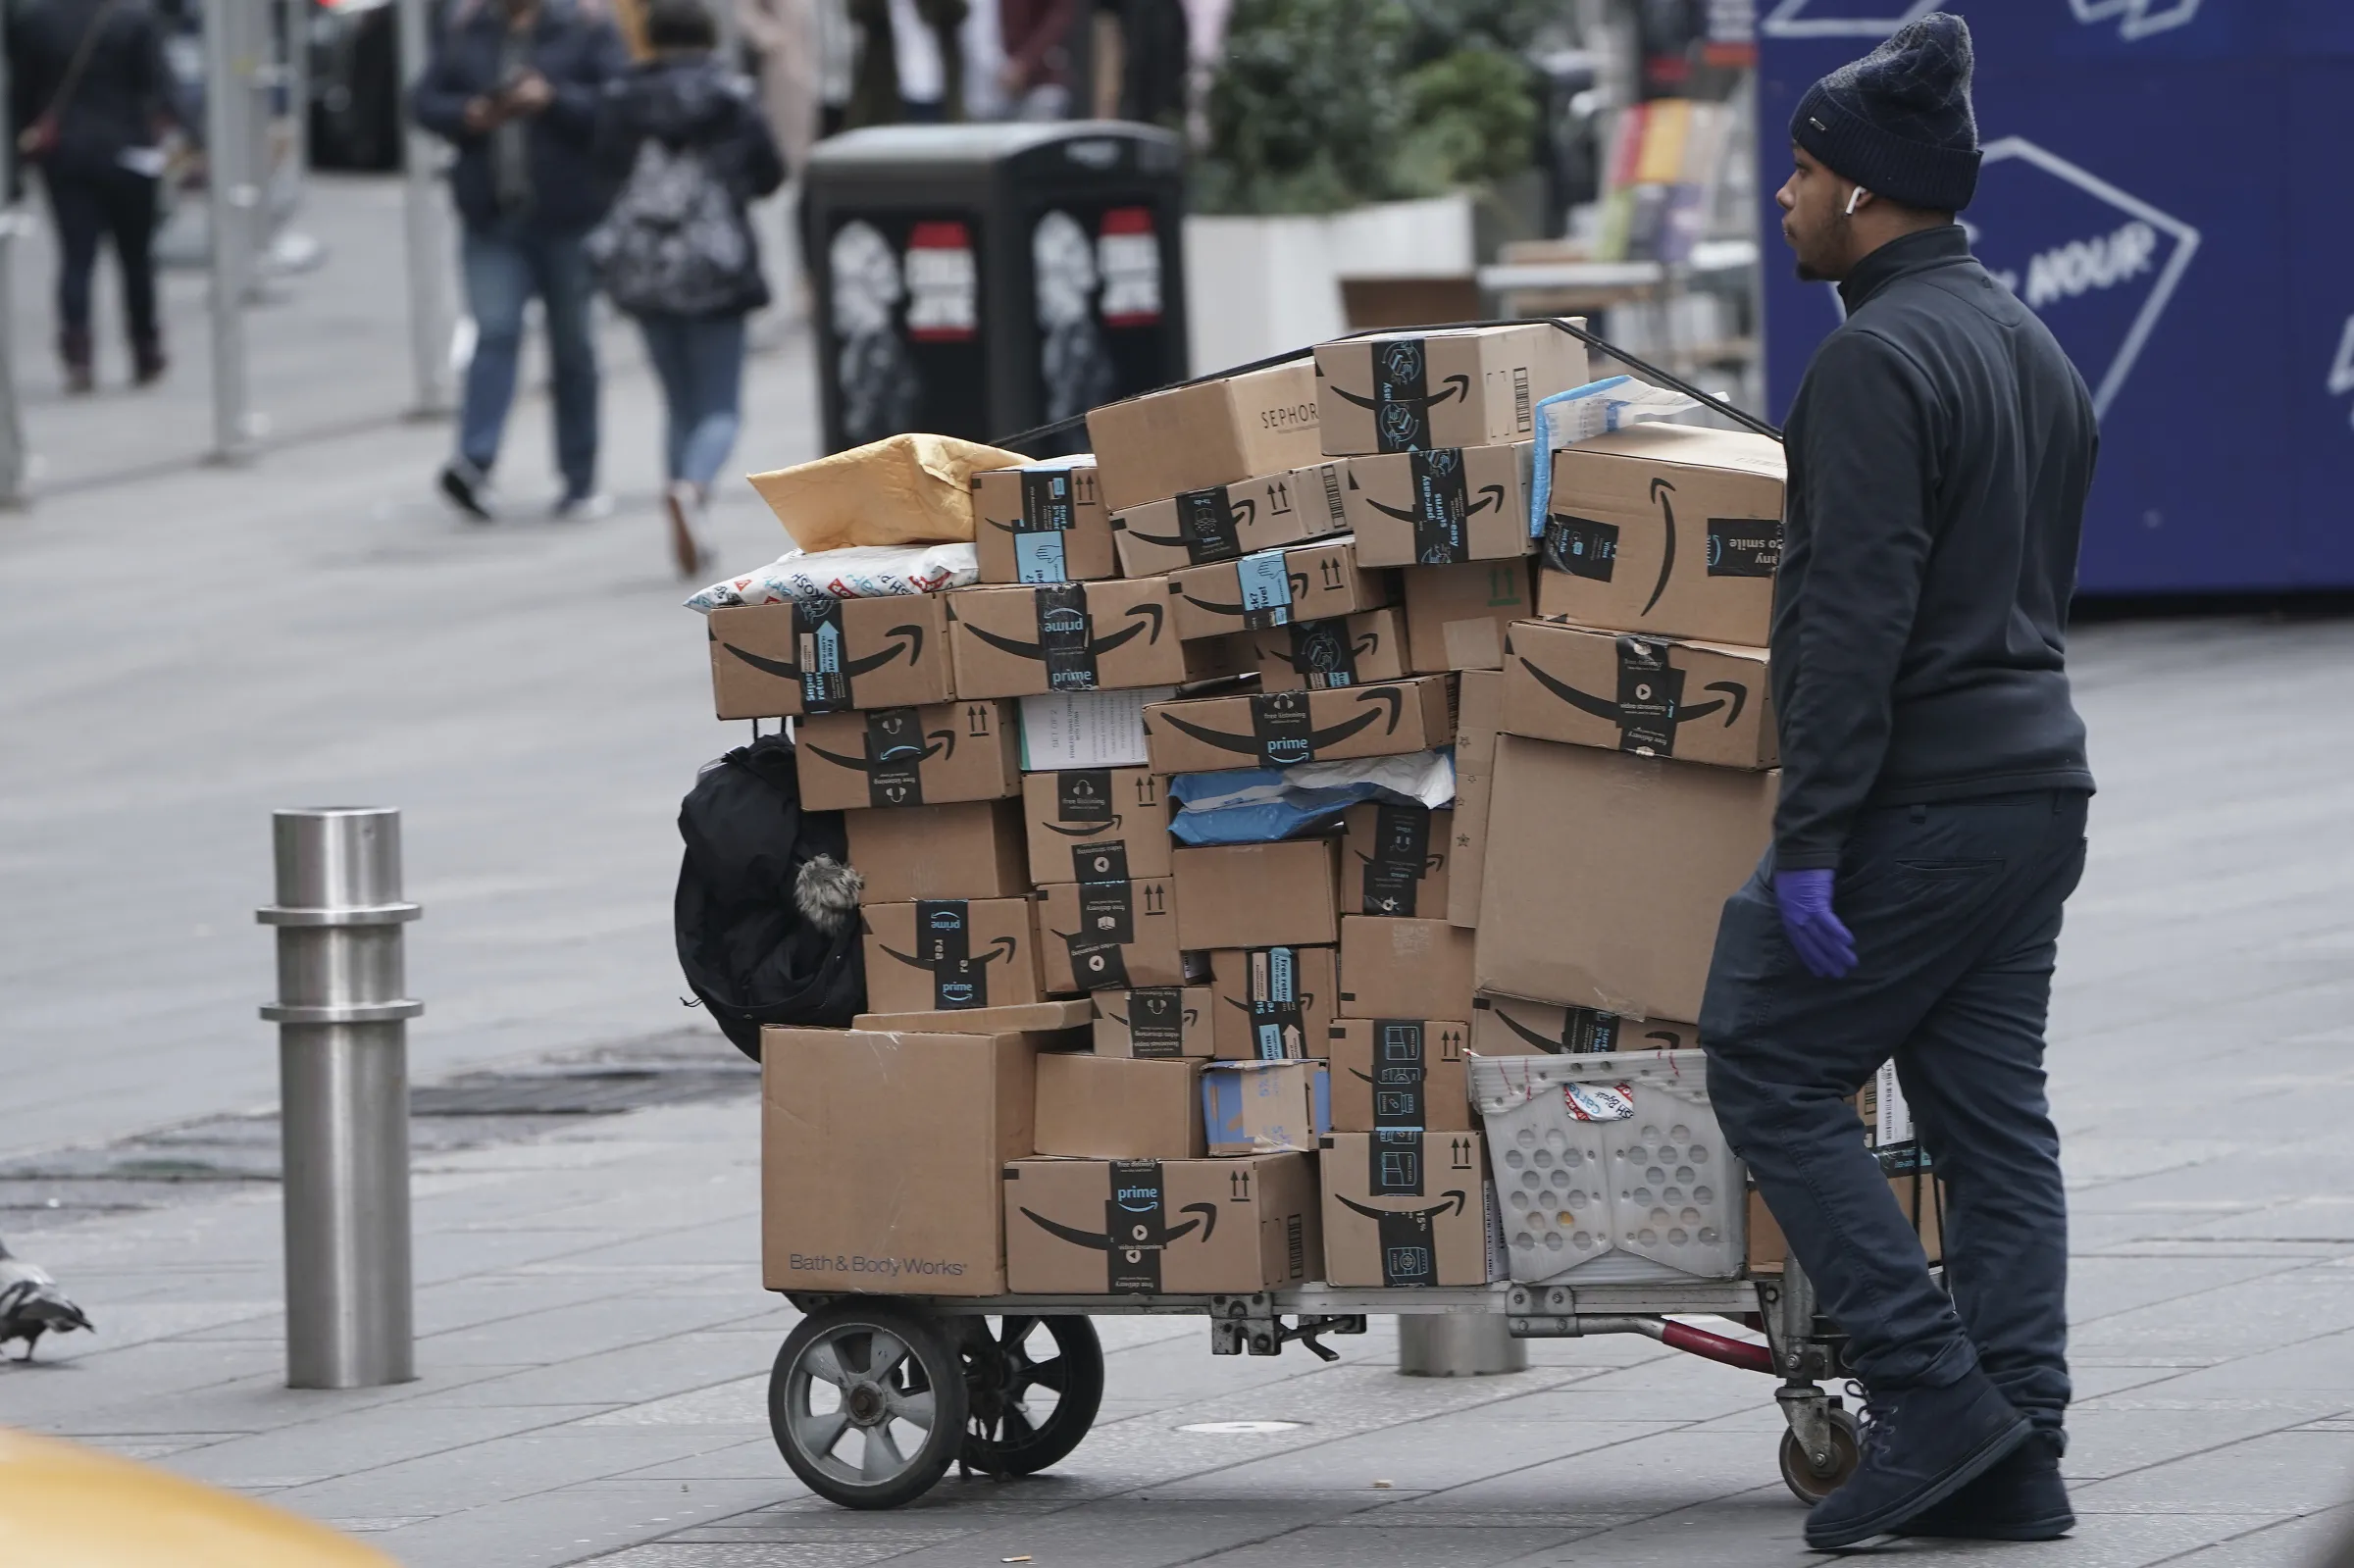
column 1823, row 944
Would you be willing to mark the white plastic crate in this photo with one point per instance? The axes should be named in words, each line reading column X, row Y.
column 1611, row 1168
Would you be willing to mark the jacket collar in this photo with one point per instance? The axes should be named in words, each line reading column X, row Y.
column 1941, row 246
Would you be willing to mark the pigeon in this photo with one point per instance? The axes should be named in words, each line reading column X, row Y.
column 31, row 1304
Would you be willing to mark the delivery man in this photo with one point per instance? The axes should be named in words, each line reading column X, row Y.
column 1931, row 820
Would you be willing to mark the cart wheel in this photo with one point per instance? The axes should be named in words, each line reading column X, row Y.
column 1810, row 1483
column 867, row 1403
column 1033, row 1385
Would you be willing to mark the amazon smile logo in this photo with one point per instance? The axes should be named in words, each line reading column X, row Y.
column 1064, row 623
column 1149, row 1232
column 1082, row 833
column 1241, row 516
column 1295, row 581
column 885, row 755
column 1382, row 705
column 1490, row 496
column 1735, row 697
column 1661, row 491
column 905, row 641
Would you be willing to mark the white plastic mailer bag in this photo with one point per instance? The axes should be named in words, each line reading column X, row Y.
column 855, row 572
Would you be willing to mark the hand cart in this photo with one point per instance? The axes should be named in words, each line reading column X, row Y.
column 872, row 1397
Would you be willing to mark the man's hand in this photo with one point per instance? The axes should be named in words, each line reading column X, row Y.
column 480, row 115
column 1823, row 944
column 528, row 94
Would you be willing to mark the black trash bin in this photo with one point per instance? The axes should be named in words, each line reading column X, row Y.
column 976, row 280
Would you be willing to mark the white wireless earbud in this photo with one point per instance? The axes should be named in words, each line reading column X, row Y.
column 1854, row 196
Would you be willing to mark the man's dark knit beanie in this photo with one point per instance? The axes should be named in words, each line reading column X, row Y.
column 1898, row 120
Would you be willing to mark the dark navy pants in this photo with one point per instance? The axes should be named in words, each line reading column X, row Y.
column 1956, row 913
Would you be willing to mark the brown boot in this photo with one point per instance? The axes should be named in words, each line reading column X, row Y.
column 148, row 362
column 75, row 350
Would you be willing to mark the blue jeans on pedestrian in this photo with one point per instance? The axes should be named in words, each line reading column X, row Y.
column 505, row 267
column 699, row 361
column 1956, row 912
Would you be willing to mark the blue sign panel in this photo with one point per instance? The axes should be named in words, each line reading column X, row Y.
column 2165, row 183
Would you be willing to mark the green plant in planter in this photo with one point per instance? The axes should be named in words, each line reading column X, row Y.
column 1471, row 118
column 1307, row 111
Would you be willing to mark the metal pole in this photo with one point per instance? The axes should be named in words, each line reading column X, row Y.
column 12, row 223
column 343, row 1090
column 234, row 192
column 424, row 228
column 1459, row 1345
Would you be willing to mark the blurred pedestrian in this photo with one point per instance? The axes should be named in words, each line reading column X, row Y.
column 515, row 86
column 910, row 55
column 1931, row 822
column 1035, row 76
column 92, row 99
column 685, row 138
column 782, row 35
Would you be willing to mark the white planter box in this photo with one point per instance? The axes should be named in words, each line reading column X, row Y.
column 1255, row 286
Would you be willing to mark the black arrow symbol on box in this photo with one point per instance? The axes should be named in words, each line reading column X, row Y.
column 893, row 756
column 1318, row 739
column 1096, row 646
column 1003, row 947
column 1454, row 1193
column 912, row 645
column 1453, row 387
column 1102, row 1242
column 1736, row 696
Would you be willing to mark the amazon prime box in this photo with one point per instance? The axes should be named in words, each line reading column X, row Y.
column 1456, row 615
column 772, row 661
column 1399, row 1075
column 947, row 954
column 1042, row 523
column 1275, row 588
column 1408, row 1208
column 1265, row 1107
column 1278, row 729
column 1224, row 522
column 1469, row 386
column 1256, row 895
column 1667, row 530
column 1317, row 655
column 1108, row 935
column 1068, row 729
column 1155, row 1020
column 932, row 756
column 1440, row 507
column 937, row 1114
column 1508, row 1025
column 1392, row 968
column 1622, row 921
column 1161, row 1227
column 1478, row 722
column 969, row 849
column 1698, row 701
column 1118, row 1107
column 1190, row 437
column 1096, row 825
column 1065, row 636
column 1273, row 1003
column 1394, row 859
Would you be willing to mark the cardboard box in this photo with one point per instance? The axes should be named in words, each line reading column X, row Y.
column 1441, row 507
column 1697, row 701
column 1210, row 433
column 1392, row 968
column 879, row 1153
column 1043, row 522
column 1456, row 615
column 1407, row 1209
column 1277, row 729
column 1471, row 386
column 947, row 954
column 1258, row 895
column 1108, row 935
column 1096, row 825
column 1625, row 920
column 1394, row 859
column 1066, row 730
column 1157, row 1022
column 1223, row 522
column 1265, row 1107
column 970, row 849
column 1317, row 655
column 1161, row 1227
column 1275, row 588
column 1273, row 1003
column 935, row 755
column 1401, row 1073
column 1022, row 1017
column 1063, row 636
column 1508, row 1025
column 1480, row 719
column 1666, row 528
column 1118, row 1108
column 772, row 661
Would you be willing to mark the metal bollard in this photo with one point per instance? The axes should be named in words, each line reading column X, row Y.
column 343, row 1094
column 1459, row 1345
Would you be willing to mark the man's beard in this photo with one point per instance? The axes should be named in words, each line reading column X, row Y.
column 1810, row 274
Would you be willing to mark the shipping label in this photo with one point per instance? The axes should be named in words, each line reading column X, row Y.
column 1441, row 507
column 1744, row 546
column 895, row 757
column 819, row 649
column 1400, row 859
column 1649, row 691
column 1277, row 1005
column 1066, row 636
column 1582, row 546
column 1156, row 1020
column 1400, row 1073
column 1207, row 523
column 1263, row 586
column 1324, row 654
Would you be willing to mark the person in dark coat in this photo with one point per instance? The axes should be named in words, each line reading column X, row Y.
column 1933, row 813
column 91, row 98
column 687, row 101
column 514, row 86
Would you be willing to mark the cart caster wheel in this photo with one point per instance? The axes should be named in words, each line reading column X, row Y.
column 1810, row 1483
column 1032, row 1387
column 867, row 1403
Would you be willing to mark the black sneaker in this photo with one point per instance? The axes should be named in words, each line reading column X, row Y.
column 463, row 483
column 1920, row 1446
column 2021, row 1499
